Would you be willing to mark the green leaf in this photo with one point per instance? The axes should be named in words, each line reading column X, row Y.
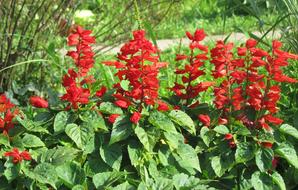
column 71, row 174
column 134, row 153
column 277, row 178
column 220, row 164
column 221, row 129
column 174, row 139
column 106, row 179
column 112, row 155
column 206, row 135
column 46, row 173
column 184, row 182
column 187, row 158
column 122, row 128
column 161, row 121
column 109, row 108
column 81, row 135
column 124, row 84
column 240, row 129
column 288, row 129
column 162, row 184
column 143, row 137
column 264, row 157
column 288, row 152
column 58, row 155
column 12, row 172
column 262, row 181
column 78, row 187
column 95, row 120
column 31, row 125
column 4, row 140
column 60, row 121
column 245, row 151
column 124, row 186
column 32, row 141
column 182, row 119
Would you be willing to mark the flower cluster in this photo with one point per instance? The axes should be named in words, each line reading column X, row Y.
column 82, row 56
column 190, row 87
column 18, row 156
column 7, row 114
column 139, row 65
column 249, row 81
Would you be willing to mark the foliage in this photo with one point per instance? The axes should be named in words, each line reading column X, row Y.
column 129, row 135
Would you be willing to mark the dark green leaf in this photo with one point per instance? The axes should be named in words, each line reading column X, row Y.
column 58, row 155
column 245, row 151
column 122, row 128
column 46, row 173
column 71, row 174
column 143, row 137
column 288, row 152
column 106, row 179
column 31, row 125
column 112, row 155
column 92, row 118
column 264, row 157
column 206, row 135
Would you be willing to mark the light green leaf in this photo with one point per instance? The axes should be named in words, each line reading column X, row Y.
column 174, row 139
column 288, row 129
column 32, row 141
column 262, row 181
column 124, row 84
column 109, row 108
column 182, row 119
column 106, row 179
column 143, row 137
column 122, row 128
column 161, row 121
column 94, row 119
column 124, row 186
column 134, row 153
column 60, row 121
column 31, row 125
column 220, row 164
column 81, row 135
column 207, row 135
column 245, row 151
column 58, row 155
column 46, row 173
column 288, row 152
column 112, row 155
column 264, row 158
column 71, row 174
column 277, row 178
column 221, row 129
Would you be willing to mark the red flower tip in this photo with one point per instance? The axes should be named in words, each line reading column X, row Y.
column 222, row 121
column 101, row 92
column 250, row 43
column 205, row 119
column 232, row 144
column 267, row 144
column 189, row 35
column 228, row 136
column 38, row 102
column 139, row 34
column 199, row 35
column 112, row 118
column 136, row 116
column 162, row 106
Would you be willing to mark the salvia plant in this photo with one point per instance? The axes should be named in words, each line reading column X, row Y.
column 130, row 137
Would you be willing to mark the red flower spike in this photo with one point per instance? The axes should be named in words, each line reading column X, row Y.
column 228, row 136
column 136, row 116
column 38, row 102
column 205, row 119
column 112, row 118
column 267, row 144
column 18, row 156
column 5, row 103
column 101, row 91
column 162, row 106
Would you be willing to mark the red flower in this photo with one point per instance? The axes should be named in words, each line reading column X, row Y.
column 232, row 144
column 38, row 102
column 101, row 92
column 274, row 162
column 136, row 116
column 205, row 119
column 112, row 118
column 18, row 156
column 222, row 121
column 162, row 106
column 76, row 95
column 267, row 144
column 228, row 136
column 5, row 103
